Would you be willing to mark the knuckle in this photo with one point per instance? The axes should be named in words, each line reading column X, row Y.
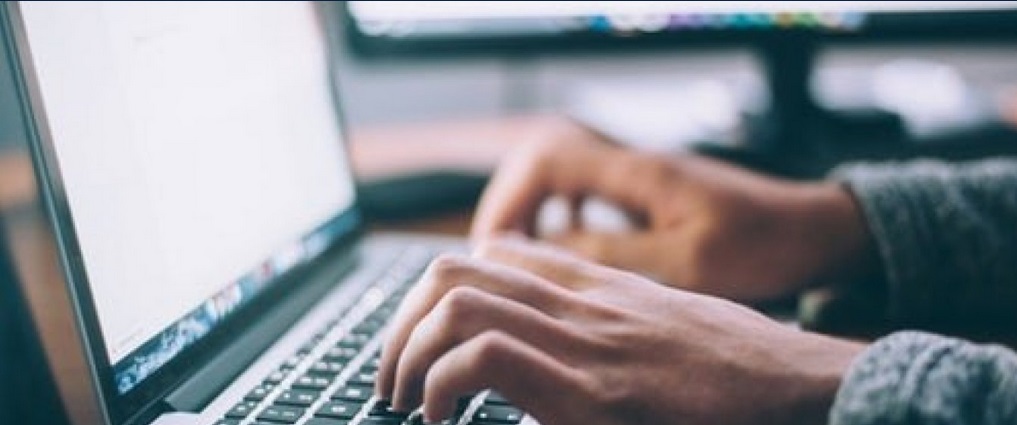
column 612, row 395
column 652, row 169
column 533, row 153
column 490, row 349
column 489, row 248
column 460, row 305
column 543, row 150
column 448, row 268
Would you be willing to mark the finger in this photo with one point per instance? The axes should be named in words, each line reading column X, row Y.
column 634, row 251
column 574, row 203
column 532, row 380
column 463, row 314
column 551, row 263
column 513, row 196
column 448, row 272
column 523, row 182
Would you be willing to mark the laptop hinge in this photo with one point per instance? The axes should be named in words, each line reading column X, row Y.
column 218, row 373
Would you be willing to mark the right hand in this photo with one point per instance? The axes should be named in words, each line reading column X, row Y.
column 704, row 225
column 573, row 342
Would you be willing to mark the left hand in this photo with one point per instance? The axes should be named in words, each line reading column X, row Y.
column 701, row 224
column 552, row 332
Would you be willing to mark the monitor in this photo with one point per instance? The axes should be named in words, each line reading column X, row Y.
column 786, row 35
column 435, row 27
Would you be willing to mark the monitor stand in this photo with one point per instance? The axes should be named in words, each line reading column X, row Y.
column 795, row 136
column 798, row 138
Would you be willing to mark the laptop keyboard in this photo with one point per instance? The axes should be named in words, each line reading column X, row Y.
column 330, row 379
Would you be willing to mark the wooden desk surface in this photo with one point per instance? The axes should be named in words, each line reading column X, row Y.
column 474, row 145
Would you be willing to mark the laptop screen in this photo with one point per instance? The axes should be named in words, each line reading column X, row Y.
column 200, row 155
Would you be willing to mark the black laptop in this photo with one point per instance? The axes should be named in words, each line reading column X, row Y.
column 193, row 164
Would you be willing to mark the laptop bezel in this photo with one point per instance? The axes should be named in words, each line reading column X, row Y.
column 144, row 402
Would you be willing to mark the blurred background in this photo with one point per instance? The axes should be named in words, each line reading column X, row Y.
column 787, row 87
column 658, row 74
column 436, row 92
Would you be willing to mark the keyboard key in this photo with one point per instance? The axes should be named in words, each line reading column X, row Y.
column 377, row 420
column 339, row 409
column 354, row 341
column 461, row 405
column 315, row 340
column 293, row 362
column 323, row 367
column 362, row 379
column 494, row 398
column 419, row 420
column 228, row 422
column 281, row 414
column 326, row 421
column 302, row 398
column 259, row 393
column 276, row 377
column 382, row 408
column 350, row 344
column 500, row 414
column 241, row 410
column 312, row 382
column 385, row 311
column 374, row 363
column 340, row 354
column 356, row 394
column 369, row 327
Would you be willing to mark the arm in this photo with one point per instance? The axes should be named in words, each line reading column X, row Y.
column 917, row 378
column 947, row 238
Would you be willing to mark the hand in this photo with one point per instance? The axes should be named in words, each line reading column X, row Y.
column 702, row 225
column 571, row 342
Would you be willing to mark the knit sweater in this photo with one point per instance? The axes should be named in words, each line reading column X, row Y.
column 947, row 237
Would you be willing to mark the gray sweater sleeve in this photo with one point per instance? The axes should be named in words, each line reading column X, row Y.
column 916, row 378
column 947, row 237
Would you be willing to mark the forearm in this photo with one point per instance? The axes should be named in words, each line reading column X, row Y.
column 946, row 236
column 916, row 378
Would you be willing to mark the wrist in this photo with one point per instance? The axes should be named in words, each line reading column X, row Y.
column 834, row 228
column 823, row 363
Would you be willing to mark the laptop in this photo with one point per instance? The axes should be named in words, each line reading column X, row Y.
column 192, row 162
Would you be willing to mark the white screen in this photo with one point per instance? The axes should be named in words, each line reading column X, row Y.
column 194, row 140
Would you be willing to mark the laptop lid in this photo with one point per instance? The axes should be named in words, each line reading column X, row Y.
column 192, row 158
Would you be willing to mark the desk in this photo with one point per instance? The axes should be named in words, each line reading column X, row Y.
column 474, row 145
